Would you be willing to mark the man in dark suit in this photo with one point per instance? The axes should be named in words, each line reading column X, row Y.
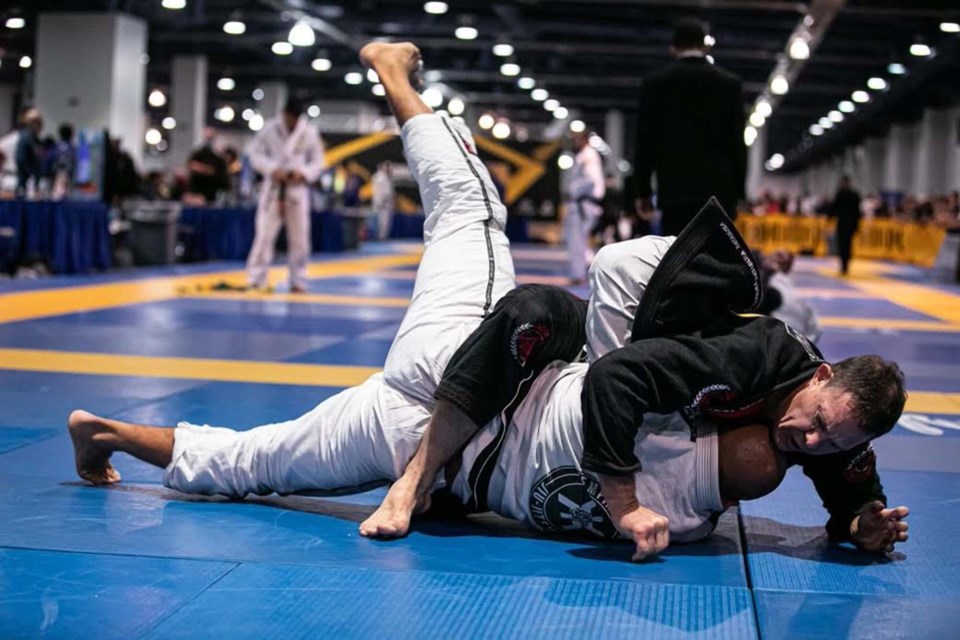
column 689, row 133
column 846, row 209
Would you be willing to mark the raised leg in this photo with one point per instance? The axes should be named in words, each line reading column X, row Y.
column 95, row 439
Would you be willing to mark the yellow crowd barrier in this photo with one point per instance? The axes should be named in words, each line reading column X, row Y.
column 882, row 239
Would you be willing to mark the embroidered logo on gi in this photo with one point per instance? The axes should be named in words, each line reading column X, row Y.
column 862, row 467
column 566, row 499
column 705, row 396
column 525, row 339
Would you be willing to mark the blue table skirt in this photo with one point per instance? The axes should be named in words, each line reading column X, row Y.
column 227, row 233
column 73, row 235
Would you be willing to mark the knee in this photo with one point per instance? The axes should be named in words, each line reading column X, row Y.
column 608, row 264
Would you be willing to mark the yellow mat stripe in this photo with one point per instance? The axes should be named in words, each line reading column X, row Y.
column 309, row 298
column 933, row 402
column 183, row 368
column 878, row 323
column 29, row 305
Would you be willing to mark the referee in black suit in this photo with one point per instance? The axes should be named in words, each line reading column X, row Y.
column 689, row 133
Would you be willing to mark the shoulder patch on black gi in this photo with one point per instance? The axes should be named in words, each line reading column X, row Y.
column 862, row 467
column 566, row 499
column 525, row 340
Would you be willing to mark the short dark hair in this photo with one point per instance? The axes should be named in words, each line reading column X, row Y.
column 688, row 33
column 293, row 106
column 66, row 132
column 877, row 387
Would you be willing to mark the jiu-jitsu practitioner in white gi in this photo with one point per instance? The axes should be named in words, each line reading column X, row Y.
column 288, row 153
column 366, row 434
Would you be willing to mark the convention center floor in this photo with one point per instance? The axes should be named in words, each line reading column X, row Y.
column 160, row 345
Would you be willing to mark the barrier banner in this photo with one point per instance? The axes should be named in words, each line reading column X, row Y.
column 881, row 238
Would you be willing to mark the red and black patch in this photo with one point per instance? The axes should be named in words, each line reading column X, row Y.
column 526, row 339
column 861, row 468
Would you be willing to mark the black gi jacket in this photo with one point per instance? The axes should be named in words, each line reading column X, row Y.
column 692, row 353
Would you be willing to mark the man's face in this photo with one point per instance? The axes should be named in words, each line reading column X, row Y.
column 819, row 420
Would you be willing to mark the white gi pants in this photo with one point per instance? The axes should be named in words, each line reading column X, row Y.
column 384, row 220
column 576, row 230
column 296, row 216
column 370, row 432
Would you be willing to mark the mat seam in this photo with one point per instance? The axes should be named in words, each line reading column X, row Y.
column 746, row 573
column 188, row 601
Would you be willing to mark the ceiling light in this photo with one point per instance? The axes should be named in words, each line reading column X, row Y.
column 455, row 106
column 776, row 161
column 503, row 50
column 176, row 5
column 153, row 136
column 156, row 98
column 816, row 130
column 896, row 69
column 710, row 59
column 877, row 84
column 432, row 97
column 379, row 90
column 282, row 48
column 226, row 84
column 749, row 135
column 709, row 40
column 501, row 130
column 313, row 111
column 510, row 69
column 920, row 50
column 835, row 116
column 257, row 94
column 26, row 62
column 825, row 123
column 551, row 104
column 526, row 82
column 321, row 64
column 435, row 8
column 860, row 96
column 560, row 113
column 354, row 77
column 486, row 121
column 247, row 113
column 757, row 119
column 256, row 122
column 234, row 27
column 539, row 94
column 169, row 123
column 16, row 23
column 302, row 35
column 779, row 85
column 466, row 33
column 162, row 145
column 224, row 114
column 946, row 27
column 846, row 107
column 565, row 161
column 372, row 76
column 763, row 108
column 799, row 48
column 577, row 126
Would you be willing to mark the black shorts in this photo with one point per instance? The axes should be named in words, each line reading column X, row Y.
column 529, row 328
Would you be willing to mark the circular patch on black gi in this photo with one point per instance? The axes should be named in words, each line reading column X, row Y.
column 566, row 499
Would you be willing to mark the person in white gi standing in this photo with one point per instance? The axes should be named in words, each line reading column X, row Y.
column 288, row 153
column 585, row 191
column 383, row 199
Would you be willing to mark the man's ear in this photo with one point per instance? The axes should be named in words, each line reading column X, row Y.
column 824, row 373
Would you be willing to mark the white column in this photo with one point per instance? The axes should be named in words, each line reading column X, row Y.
column 615, row 136
column 952, row 159
column 756, row 156
column 930, row 174
column 875, row 149
column 898, row 167
column 274, row 98
column 188, row 106
column 89, row 73
column 7, row 115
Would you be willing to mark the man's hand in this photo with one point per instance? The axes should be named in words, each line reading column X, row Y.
column 295, row 177
column 649, row 530
column 279, row 175
column 877, row 528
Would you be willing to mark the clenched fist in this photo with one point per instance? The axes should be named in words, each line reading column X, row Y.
column 649, row 530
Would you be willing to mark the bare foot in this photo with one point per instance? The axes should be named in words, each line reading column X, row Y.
column 386, row 57
column 92, row 456
column 392, row 517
